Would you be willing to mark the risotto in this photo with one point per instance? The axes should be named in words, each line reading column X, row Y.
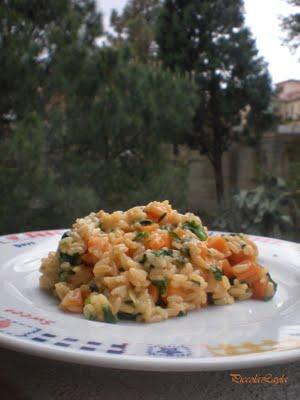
column 150, row 263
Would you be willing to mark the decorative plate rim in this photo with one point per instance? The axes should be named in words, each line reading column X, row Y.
column 143, row 361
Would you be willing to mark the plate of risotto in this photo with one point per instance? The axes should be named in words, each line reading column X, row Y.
column 150, row 288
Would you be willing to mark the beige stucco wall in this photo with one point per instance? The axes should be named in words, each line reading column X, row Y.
column 242, row 166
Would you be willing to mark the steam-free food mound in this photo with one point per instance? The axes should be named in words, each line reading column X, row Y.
column 150, row 263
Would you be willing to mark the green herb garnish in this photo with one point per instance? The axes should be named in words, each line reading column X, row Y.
column 87, row 301
column 73, row 259
column 198, row 230
column 210, row 299
column 275, row 287
column 127, row 316
column 109, row 316
column 141, row 236
column 162, row 217
column 93, row 287
column 66, row 234
column 162, row 285
column 181, row 314
column 146, row 222
column 129, row 302
column 63, row 277
column 231, row 280
column 163, row 252
column 218, row 274
column 174, row 236
column 185, row 251
column 91, row 317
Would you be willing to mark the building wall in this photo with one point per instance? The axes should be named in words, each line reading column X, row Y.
column 242, row 167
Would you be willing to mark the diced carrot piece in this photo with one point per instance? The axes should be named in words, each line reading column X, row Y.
column 154, row 215
column 96, row 242
column 89, row 258
column 237, row 258
column 218, row 243
column 85, row 292
column 252, row 271
column 259, row 289
column 130, row 252
column 154, row 292
column 180, row 232
column 72, row 301
column 159, row 240
column 227, row 269
column 172, row 291
column 203, row 250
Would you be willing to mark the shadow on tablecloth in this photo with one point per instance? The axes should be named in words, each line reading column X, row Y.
column 23, row 377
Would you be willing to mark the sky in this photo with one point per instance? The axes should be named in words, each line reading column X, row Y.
column 263, row 18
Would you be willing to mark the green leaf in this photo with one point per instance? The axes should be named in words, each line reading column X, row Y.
column 127, row 316
column 73, row 259
column 198, row 230
column 218, row 274
column 87, row 301
column 108, row 315
column 141, row 236
column 163, row 252
column 161, row 217
column 174, row 236
column 181, row 314
column 146, row 222
column 162, row 286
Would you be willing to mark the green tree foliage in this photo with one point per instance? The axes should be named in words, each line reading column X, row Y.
column 135, row 27
column 269, row 209
column 208, row 40
column 292, row 25
column 82, row 127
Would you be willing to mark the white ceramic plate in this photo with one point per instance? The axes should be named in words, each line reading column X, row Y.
column 245, row 334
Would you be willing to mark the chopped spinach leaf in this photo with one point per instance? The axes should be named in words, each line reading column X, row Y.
column 144, row 259
column 174, row 236
column 181, row 314
column 198, row 230
column 146, row 222
column 161, row 303
column 180, row 261
column 231, row 280
column 185, row 251
column 127, row 316
column 162, row 285
column 129, row 302
column 93, row 287
column 210, row 299
column 163, row 252
column 162, row 217
column 141, row 236
column 91, row 317
column 218, row 274
column 275, row 287
column 73, row 259
column 63, row 277
column 66, row 234
column 109, row 316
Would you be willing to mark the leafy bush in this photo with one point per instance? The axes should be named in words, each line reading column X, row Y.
column 269, row 209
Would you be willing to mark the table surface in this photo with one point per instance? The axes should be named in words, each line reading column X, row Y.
column 24, row 377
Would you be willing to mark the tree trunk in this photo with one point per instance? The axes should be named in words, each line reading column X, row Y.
column 219, row 179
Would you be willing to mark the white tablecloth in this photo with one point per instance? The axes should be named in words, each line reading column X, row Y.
column 23, row 377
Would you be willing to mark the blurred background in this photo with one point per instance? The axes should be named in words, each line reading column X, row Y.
column 110, row 104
